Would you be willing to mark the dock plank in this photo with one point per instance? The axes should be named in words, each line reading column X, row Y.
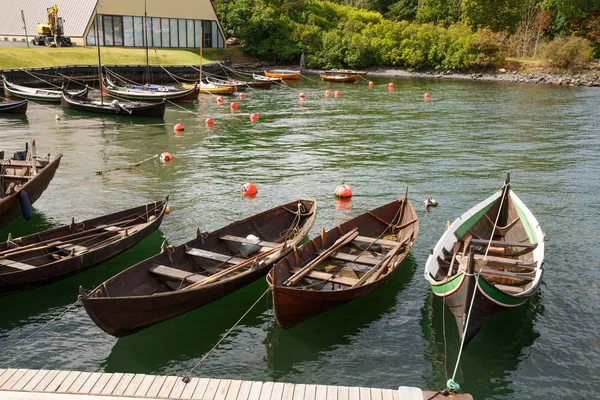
column 332, row 393
column 234, row 389
column 24, row 380
column 46, row 380
column 200, row 388
column 321, row 392
column 68, row 381
column 244, row 391
column 13, row 379
column 36, row 379
column 376, row 394
column 90, row 382
column 6, row 375
column 354, row 393
column 79, row 382
column 222, row 389
column 122, row 385
column 178, row 387
column 387, row 394
column 133, row 386
column 143, row 386
column 277, row 392
column 255, row 391
column 343, row 393
column 100, row 384
column 189, row 388
column 211, row 389
column 112, row 383
column 288, row 391
column 265, row 392
column 310, row 392
column 365, row 393
column 57, row 381
column 159, row 380
column 167, row 387
column 299, row 391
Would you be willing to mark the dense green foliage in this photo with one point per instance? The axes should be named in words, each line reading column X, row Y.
column 568, row 52
column 418, row 34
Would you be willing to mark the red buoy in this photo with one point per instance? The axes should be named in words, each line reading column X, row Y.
column 233, row 106
column 343, row 191
column 371, row 83
column 327, row 93
column 338, row 93
column 249, row 189
column 302, row 95
column 427, row 95
column 209, row 122
column 166, row 157
column 391, row 85
column 220, row 100
column 178, row 128
column 254, row 117
column 242, row 95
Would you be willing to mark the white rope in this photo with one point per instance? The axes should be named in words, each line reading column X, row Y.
column 462, row 342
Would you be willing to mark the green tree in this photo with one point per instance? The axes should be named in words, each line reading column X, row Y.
column 446, row 11
column 403, row 10
column 498, row 15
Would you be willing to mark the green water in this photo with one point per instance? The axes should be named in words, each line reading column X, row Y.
column 456, row 148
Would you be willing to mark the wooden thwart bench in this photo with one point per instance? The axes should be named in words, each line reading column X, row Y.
column 69, row 247
column 365, row 260
column 238, row 239
column 16, row 264
column 325, row 276
column 209, row 255
column 176, row 274
column 501, row 243
column 383, row 242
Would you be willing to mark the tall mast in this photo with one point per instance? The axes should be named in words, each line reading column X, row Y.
column 99, row 62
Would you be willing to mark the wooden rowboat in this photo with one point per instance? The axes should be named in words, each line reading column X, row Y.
column 209, row 88
column 285, row 74
column 45, row 257
column 261, row 78
column 14, row 107
column 343, row 263
column 496, row 249
column 23, row 179
column 206, row 268
column 114, row 107
column 240, row 86
column 150, row 93
column 42, row 95
column 342, row 78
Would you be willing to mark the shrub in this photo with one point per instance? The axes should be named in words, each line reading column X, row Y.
column 568, row 52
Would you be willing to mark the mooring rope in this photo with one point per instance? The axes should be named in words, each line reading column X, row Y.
column 451, row 384
column 186, row 377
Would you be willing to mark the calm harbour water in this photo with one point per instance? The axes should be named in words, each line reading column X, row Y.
column 456, row 148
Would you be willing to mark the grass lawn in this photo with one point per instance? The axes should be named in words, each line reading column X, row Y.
column 35, row 57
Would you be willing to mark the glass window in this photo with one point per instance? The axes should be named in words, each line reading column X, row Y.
column 220, row 41
column 197, row 25
column 182, row 33
column 118, row 30
column 91, row 36
column 173, row 31
column 108, row 30
column 164, row 27
column 138, row 32
column 155, row 32
column 207, row 33
column 215, row 34
column 100, row 30
column 128, row 31
column 190, row 33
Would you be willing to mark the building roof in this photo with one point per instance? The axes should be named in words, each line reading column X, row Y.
column 76, row 15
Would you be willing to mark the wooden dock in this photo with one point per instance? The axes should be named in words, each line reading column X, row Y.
column 28, row 384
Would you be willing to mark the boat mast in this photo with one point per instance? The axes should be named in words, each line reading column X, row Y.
column 99, row 62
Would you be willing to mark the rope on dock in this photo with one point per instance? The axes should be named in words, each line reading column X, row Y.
column 186, row 377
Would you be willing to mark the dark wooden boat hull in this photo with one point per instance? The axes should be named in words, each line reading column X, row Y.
column 136, row 298
column 15, row 107
column 260, row 84
column 10, row 207
column 42, row 275
column 156, row 110
column 293, row 305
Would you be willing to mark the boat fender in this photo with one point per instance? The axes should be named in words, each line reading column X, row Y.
column 25, row 205
column 115, row 103
column 429, row 202
column 249, row 247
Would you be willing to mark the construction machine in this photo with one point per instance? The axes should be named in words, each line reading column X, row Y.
column 52, row 33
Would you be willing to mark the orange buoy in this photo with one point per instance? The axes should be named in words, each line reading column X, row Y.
column 254, row 117
column 391, row 85
column 166, row 157
column 233, row 106
column 338, row 93
column 168, row 210
column 302, row 95
column 242, row 95
column 209, row 122
column 249, row 189
column 427, row 95
column 327, row 93
column 220, row 100
column 343, row 191
column 178, row 128
column 371, row 83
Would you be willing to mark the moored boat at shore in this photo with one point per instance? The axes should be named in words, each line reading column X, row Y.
column 285, row 74
column 342, row 78
column 13, row 107
column 114, row 107
column 149, row 93
column 42, row 95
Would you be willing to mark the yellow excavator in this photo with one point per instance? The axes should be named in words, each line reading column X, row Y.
column 52, row 33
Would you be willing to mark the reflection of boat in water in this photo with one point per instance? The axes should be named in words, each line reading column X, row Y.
column 491, row 356
column 313, row 338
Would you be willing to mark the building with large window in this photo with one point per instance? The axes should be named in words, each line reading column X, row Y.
column 125, row 23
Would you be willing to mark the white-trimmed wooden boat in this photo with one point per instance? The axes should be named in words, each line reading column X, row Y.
column 496, row 249
column 44, row 95
column 150, row 93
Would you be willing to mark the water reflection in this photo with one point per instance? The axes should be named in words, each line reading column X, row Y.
column 500, row 345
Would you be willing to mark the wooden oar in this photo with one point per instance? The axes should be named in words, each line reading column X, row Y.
column 341, row 242
column 381, row 265
column 455, row 250
column 233, row 268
